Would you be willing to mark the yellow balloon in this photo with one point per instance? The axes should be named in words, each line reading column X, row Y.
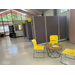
column 20, row 24
column 29, row 19
column 23, row 22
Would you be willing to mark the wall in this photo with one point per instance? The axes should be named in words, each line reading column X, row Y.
column 27, row 16
column 68, row 19
column 18, row 33
column 49, row 12
column 72, row 26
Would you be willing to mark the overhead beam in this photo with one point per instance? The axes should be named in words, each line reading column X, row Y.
column 38, row 12
column 20, row 10
column 1, row 10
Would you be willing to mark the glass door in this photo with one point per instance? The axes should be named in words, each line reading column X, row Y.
column 6, row 27
column 1, row 30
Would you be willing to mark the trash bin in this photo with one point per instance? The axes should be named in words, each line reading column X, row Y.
column 13, row 35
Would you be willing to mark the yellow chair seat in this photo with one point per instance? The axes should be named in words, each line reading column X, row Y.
column 39, row 48
column 69, row 52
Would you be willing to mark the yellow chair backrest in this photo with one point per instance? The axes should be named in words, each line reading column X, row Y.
column 54, row 39
column 34, row 42
column 74, row 51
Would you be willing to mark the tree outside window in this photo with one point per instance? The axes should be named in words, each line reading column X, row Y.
column 64, row 10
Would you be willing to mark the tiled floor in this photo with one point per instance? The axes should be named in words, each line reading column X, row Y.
column 17, row 51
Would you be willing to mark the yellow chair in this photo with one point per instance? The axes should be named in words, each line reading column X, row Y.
column 68, row 52
column 53, row 38
column 38, row 48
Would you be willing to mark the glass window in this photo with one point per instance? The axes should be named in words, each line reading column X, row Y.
column 18, row 27
column 9, row 17
column 18, row 17
column 1, row 28
column 64, row 10
column 6, row 27
column 14, row 17
column 4, row 18
column 0, row 18
column 68, row 9
column 23, row 18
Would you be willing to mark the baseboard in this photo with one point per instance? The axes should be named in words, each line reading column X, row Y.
column 18, row 36
column 62, row 39
column 25, row 37
column 48, row 42
column 42, row 43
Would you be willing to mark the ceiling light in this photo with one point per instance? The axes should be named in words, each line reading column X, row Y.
column 24, row 9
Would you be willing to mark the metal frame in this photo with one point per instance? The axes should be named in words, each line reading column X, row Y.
column 45, row 28
column 66, row 57
column 34, row 28
column 39, row 52
column 27, row 29
column 58, row 28
column 57, row 52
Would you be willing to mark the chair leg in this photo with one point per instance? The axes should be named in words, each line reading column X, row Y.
column 74, row 57
column 65, row 55
column 38, row 52
column 61, row 60
column 33, row 53
column 44, row 52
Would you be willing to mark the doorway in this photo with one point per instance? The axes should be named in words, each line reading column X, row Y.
column 4, row 30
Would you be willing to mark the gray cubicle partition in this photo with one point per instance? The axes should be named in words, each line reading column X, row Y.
column 52, row 26
column 29, row 30
column 24, row 30
column 63, row 27
column 44, row 26
column 32, row 32
column 39, row 29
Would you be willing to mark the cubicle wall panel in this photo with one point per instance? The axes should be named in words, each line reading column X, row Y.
column 52, row 26
column 29, row 30
column 40, row 29
column 62, row 25
column 24, row 30
column 32, row 32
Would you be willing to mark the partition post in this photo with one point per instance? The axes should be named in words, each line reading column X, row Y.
column 58, row 29
column 46, row 29
column 34, row 28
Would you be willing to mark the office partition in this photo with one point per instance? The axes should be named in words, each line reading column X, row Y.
column 44, row 26
column 28, row 30
column 24, row 30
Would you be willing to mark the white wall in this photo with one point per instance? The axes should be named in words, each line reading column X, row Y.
column 68, row 18
column 18, row 33
column 49, row 12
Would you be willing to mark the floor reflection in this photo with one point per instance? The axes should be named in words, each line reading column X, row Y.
column 12, row 50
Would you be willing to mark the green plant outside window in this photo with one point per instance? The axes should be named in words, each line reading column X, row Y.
column 9, row 17
column 23, row 18
column 14, row 17
column 0, row 18
column 4, row 18
column 19, row 17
